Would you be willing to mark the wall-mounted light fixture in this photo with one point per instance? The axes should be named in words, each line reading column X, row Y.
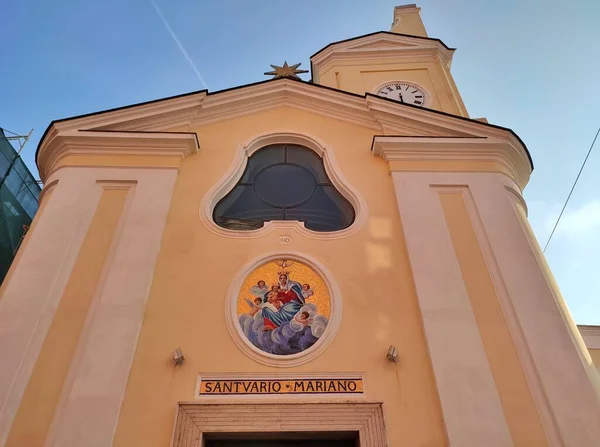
column 178, row 357
column 392, row 354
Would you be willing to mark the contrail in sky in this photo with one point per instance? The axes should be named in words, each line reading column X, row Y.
column 181, row 48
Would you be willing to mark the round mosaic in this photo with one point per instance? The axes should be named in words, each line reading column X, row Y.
column 283, row 307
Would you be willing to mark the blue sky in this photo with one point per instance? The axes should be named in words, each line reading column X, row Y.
column 531, row 65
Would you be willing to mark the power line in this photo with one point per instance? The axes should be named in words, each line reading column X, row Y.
column 571, row 192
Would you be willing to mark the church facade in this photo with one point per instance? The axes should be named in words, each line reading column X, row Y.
column 345, row 261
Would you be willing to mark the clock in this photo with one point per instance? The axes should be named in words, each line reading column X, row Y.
column 404, row 92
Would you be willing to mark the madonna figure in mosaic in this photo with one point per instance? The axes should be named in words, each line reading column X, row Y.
column 283, row 307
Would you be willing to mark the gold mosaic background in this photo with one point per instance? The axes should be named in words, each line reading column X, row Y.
column 299, row 272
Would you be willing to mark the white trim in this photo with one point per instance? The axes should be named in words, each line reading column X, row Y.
column 490, row 149
column 426, row 101
column 99, row 370
column 193, row 419
column 517, row 336
column 280, row 376
column 371, row 112
column 395, row 47
column 33, row 292
column 129, row 186
column 231, row 317
column 81, row 142
column 557, row 363
column 236, row 170
column 462, row 373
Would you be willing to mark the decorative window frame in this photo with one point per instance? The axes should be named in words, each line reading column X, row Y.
column 193, row 420
column 282, row 361
column 236, row 170
column 427, row 101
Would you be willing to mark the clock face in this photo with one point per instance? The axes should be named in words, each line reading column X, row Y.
column 403, row 92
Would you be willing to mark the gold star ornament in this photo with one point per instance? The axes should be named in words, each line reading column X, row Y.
column 287, row 71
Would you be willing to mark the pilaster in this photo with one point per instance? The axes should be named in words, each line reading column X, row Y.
column 489, row 176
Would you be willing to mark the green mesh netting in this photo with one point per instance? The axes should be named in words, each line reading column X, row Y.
column 19, row 200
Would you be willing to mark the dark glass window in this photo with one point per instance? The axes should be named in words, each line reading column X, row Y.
column 282, row 439
column 284, row 182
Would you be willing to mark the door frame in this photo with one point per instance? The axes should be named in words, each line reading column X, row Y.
column 193, row 419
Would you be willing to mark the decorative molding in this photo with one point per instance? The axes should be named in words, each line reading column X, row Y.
column 381, row 46
column 368, row 111
column 107, row 345
column 401, row 148
column 277, row 377
column 90, row 142
column 515, row 330
column 561, row 379
column 34, row 290
column 48, row 187
column 158, row 115
column 284, row 93
column 193, row 420
column 591, row 336
column 518, row 196
column 282, row 361
column 459, row 362
column 236, row 170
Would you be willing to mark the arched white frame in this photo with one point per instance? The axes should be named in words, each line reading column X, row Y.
column 282, row 361
column 236, row 170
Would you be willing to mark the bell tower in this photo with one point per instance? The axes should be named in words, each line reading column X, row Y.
column 402, row 64
column 407, row 20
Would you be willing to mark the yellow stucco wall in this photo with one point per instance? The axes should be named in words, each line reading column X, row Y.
column 186, row 306
column 407, row 20
column 195, row 268
column 367, row 75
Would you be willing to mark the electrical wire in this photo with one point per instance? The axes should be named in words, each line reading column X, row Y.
column 571, row 192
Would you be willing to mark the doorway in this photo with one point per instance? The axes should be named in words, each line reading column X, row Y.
column 250, row 424
column 349, row 439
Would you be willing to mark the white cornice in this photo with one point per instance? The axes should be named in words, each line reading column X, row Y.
column 75, row 142
column 382, row 46
column 402, row 148
column 380, row 115
column 591, row 336
column 273, row 95
column 156, row 114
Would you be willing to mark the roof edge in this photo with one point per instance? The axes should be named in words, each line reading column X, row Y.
column 434, row 39
column 364, row 96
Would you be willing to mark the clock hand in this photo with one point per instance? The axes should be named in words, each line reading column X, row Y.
column 401, row 100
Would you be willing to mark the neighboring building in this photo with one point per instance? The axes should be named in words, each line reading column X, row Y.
column 591, row 337
column 19, row 194
column 340, row 262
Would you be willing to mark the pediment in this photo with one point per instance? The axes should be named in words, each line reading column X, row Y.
column 385, row 44
column 192, row 111
column 382, row 43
